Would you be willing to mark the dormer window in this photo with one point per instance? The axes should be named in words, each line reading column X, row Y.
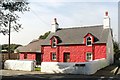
column 54, row 42
column 89, row 41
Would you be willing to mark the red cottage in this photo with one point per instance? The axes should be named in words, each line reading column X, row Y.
column 32, row 51
column 72, row 50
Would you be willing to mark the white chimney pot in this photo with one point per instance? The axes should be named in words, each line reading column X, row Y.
column 106, row 21
column 54, row 25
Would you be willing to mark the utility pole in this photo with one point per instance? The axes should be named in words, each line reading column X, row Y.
column 9, row 25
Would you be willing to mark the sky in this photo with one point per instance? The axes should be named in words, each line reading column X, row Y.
column 75, row 13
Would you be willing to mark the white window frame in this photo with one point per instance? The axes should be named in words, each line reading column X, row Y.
column 91, row 57
column 54, row 56
column 90, row 40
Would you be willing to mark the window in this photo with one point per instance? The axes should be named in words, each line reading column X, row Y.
column 66, row 57
column 53, row 42
column 54, row 56
column 88, row 41
column 89, row 56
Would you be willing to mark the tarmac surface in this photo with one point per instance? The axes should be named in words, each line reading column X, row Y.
column 109, row 73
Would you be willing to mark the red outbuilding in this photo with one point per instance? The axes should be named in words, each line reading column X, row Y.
column 32, row 51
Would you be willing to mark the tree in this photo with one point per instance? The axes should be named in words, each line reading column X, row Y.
column 44, row 36
column 116, row 47
column 8, row 16
column 12, row 47
column 116, row 50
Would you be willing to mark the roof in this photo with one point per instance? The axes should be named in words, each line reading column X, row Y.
column 34, row 46
column 76, row 35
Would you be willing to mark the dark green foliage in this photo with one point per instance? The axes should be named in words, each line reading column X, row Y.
column 12, row 47
column 116, row 51
column 45, row 35
column 116, row 47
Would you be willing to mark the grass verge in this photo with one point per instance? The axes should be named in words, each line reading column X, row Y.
column 37, row 69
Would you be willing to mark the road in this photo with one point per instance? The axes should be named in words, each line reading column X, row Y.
column 103, row 74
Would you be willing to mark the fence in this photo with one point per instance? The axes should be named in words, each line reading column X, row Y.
column 13, row 56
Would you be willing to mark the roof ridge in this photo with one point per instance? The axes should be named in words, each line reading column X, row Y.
column 36, row 40
column 91, row 26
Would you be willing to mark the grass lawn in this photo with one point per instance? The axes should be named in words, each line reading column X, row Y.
column 37, row 69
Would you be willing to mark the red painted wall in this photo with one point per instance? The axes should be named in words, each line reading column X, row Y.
column 77, row 52
column 100, row 51
column 30, row 56
column 21, row 56
column 47, row 53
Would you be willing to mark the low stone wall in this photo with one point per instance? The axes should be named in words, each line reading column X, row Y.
column 25, row 65
column 74, row 68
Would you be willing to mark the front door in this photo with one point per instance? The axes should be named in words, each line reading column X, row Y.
column 67, row 57
column 38, row 58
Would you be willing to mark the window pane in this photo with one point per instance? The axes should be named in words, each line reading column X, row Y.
column 53, row 43
column 53, row 56
column 89, row 41
column 53, row 40
column 88, row 56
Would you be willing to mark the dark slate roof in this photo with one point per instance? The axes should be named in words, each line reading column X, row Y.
column 34, row 46
column 76, row 35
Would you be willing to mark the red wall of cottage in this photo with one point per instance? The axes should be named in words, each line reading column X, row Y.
column 77, row 52
column 30, row 56
column 100, row 51
column 47, row 53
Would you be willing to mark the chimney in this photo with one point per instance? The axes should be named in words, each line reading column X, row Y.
column 106, row 21
column 54, row 25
